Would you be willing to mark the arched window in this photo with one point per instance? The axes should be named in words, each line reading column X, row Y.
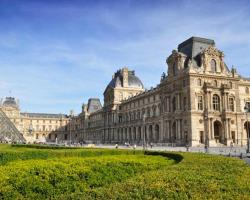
column 215, row 83
column 247, row 90
column 174, row 104
column 216, row 102
column 230, row 84
column 174, row 69
column 148, row 112
column 199, row 82
column 213, row 65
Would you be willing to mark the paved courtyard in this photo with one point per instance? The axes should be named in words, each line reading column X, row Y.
column 239, row 152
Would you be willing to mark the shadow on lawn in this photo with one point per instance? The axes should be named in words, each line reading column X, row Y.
column 176, row 157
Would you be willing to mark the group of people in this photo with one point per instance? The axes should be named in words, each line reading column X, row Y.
column 134, row 146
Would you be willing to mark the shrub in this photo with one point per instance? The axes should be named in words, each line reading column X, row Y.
column 30, row 173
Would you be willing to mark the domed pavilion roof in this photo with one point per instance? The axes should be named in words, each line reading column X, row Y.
column 10, row 102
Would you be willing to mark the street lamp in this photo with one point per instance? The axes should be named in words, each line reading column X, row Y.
column 30, row 130
column 70, row 130
column 144, row 132
column 206, row 131
column 247, row 110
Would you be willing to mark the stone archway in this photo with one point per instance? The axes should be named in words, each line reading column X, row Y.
column 247, row 129
column 157, row 132
column 173, row 134
column 150, row 133
column 134, row 134
column 218, row 131
column 139, row 136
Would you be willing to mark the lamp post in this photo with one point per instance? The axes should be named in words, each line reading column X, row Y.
column 206, row 131
column 30, row 129
column 247, row 110
column 70, row 130
column 144, row 132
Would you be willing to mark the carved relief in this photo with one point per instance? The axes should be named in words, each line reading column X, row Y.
column 176, row 60
column 212, row 55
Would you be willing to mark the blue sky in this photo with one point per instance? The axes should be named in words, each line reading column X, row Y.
column 55, row 54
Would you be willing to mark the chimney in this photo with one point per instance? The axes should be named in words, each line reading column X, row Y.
column 125, row 76
column 84, row 108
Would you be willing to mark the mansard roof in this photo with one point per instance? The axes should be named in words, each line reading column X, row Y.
column 94, row 104
column 117, row 80
column 194, row 45
column 43, row 115
column 10, row 102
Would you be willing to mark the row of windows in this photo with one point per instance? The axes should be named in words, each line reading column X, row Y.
column 213, row 67
column 45, row 128
column 140, row 102
column 214, row 83
column 216, row 103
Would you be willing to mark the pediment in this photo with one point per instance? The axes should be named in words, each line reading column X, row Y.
column 213, row 51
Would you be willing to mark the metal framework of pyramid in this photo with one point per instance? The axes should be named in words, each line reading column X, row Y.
column 8, row 131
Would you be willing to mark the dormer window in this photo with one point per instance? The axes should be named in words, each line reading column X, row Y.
column 213, row 65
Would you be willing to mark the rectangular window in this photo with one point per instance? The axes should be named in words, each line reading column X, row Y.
column 200, row 103
column 231, row 104
column 185, row 103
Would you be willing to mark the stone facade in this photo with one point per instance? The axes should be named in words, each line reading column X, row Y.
column 36, row 127
column 199, row 101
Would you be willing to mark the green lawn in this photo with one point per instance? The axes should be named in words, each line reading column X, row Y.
column 45, row 173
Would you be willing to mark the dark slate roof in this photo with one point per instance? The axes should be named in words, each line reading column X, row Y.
column 94, row 104
column 193, row 46
column 10, row 101
column 43, row 115
column 193, row 40
column 133, row 80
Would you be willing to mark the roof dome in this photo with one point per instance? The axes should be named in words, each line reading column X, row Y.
column 119, row 81
column 10, row 102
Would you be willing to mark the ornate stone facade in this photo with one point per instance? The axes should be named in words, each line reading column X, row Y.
column 199, row 101
column 36, row 127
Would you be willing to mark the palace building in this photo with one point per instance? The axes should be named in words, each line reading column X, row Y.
column 198, row 101
column 35, row 127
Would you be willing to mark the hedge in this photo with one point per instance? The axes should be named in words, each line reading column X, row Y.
column 28, row 173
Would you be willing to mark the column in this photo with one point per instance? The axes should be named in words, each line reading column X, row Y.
column 212, row 128
column 225, row 129
column 209, row 128
column 161, row 131
column 227, row 101
column 177, row 129
column 169, row 130
column 209, row 101
column 229, row 129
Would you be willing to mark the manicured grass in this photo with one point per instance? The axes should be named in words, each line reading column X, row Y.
column 119, row 174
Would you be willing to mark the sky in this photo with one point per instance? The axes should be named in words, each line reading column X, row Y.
column 55, row 54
